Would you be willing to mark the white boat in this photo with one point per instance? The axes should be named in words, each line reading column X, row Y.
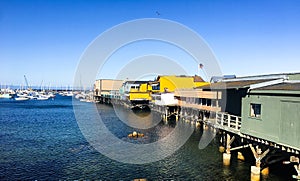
column 22, row 95
column 80, row 96
column 51, row 95
column 42, row 98
column 31, row 97
column 68, row 94
column 5, row 95
column 21, row 98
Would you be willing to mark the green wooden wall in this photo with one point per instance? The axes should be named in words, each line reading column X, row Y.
column 279, row 121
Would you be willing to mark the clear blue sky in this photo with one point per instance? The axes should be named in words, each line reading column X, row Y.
column 45, row 39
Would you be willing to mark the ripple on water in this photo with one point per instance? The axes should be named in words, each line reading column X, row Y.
column 41, row 141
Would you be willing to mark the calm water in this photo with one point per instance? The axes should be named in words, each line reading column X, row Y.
column 40, row 140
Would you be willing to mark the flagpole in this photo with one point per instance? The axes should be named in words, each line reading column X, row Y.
column 204, row 73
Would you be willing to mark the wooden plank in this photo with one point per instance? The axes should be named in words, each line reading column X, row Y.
column 199, row 94
column 106, row 84
column 198, row 106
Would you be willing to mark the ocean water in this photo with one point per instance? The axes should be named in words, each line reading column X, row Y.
column 41, row 140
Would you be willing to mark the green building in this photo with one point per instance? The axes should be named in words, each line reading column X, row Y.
column 269, row 106
column 273, row 112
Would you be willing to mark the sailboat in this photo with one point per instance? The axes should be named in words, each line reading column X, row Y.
column 6, row 93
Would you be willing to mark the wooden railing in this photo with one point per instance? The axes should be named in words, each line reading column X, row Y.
column 198, row 106
column 228, row 122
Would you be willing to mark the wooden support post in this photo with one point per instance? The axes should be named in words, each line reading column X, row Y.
column 221, row 149
column 227, row 155
column 297, row 167
column 222, row 119
column 166, row 114
column 265, row 171
column 255, row 173
column 240, row 156
column 296, row 161
column 222, row 140
column 226, row 159
column 258, row 155
column 198, row 124
column 177, row 112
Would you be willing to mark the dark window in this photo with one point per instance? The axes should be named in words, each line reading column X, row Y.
column 135, row 87
column 255, row 110
column 156, row 87
column 208, row 102
column 204, row 101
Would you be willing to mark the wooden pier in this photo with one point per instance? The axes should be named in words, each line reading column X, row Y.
column 256, row 114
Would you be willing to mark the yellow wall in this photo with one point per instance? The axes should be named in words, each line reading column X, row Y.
column 144, row 87
column 143, row 93
column 169, row 82
column 139, row 96
column 177, row 82
column 198, row 84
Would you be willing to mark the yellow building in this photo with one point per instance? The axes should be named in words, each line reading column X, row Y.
column 169, row 83
column 140, row 93
column 164, row 87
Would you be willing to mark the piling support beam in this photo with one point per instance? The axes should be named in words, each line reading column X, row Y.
column 294, row 160
column 177, row 113
column 240, row 156
column 258, row 155
column 255, row 173
column 227, row 154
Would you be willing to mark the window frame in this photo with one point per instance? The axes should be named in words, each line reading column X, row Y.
column 255, row 110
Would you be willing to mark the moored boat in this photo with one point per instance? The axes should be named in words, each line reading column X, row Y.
column 21, row 98
column 5, row 95
column 42, row 97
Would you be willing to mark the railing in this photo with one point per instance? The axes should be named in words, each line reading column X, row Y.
column 228, row 122
column 199, row 106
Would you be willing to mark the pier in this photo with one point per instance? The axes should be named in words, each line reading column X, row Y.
column 257, row 113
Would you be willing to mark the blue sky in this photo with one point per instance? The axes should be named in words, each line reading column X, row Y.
column 45, row 39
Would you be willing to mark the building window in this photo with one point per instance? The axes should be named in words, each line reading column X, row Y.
column 135, row 87
column 255, row 110
column 208, row 102
column 156, row 87
column 204, row 102
column 188, row 100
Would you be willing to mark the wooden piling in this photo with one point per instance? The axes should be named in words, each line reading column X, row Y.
column 240, row 156
column 255, row 173
column 226, row 159
column 265, row 171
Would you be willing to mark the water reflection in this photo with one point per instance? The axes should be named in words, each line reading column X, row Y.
column 142, row 112
column 139, row 119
